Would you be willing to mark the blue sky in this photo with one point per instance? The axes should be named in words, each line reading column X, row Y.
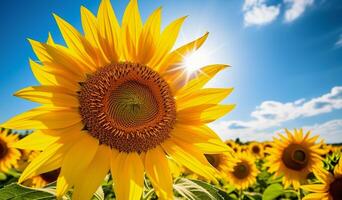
column 285, row 57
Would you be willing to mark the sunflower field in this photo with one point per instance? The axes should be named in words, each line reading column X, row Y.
column 118, row 117
column 253, row 170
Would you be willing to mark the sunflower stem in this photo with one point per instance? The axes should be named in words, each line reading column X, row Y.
column 240, row 195
column 299, row 194
column 149, row 193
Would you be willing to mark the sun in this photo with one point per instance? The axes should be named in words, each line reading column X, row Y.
column 115, row 99
column 294, row 156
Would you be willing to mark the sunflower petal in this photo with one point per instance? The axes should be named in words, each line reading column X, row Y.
column 75, row 161
column 54, row 95
column 76, row 42
column 203, row 96
column 158, row 171
column 42, row 158
column 96, row 171
column 60, row 57
column 206, row 73
column 35, row 141
column 44, row 118
column 149, row 37
column 171, row 64
column 190, row 157
column 167, row 41
column 203, row 114
column 91, row 33
column 48, row 77
column 314, row 188
column 128, row 175
column 314, row 196
column 109, row 31
column 131, row 29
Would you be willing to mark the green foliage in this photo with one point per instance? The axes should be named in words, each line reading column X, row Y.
column 17, row 192
column 273, row 191
column 196, row 189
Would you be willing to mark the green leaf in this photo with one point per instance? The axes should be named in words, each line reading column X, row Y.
column 272, row 192
column 195, row 189
column 17, row 192
column 2, row 176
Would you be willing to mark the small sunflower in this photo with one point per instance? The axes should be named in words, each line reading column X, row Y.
column 119, row 98
column 256, row 149
column 230, row 143
column 42, row 179
column 294, row 157
column 331, row 187
column 266, row 146
column 9, row 156
column 218, row 161
column 241, row 170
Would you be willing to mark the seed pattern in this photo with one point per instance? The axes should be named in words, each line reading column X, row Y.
column 3, row 149
column 295, row 157
column 241, row 170
column 127, row 106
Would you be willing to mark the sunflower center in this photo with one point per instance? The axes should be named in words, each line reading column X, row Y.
column 295, row 157
column 241, row 170
column 127, row 106
column 3, row 149
column 50, row 176
column 335, row 189
column 213, row 159
column 256, row 149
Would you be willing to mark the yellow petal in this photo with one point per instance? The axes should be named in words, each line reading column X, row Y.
column 35, row 141
column 190, row 157
column 131, row 29
column 50, row 40
column 203, row 114
column 93, row 175
column 109, row 31
column 206, row 74
column 76, row 43
column 31, row 169
column 128, row 174
column 59, row 57
column 46, row 76
column 314, row 188
column 171, row 64
column 91, row 33
column 158, row 171
column 166, row 42
column 149, row 37
column 44, row 118
column 54, row 95
column 314, row 196
column 203, row 96
column 76, row 160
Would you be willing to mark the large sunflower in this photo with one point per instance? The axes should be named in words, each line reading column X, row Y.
column 9, row 156
column 118, row 98
column 241, row 170
column 294, row 157
column 331, row 187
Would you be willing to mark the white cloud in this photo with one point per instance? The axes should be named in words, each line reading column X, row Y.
column 271, row 114
column 330, row 131
column 338, row 43
column 256, row 12
column 296, row 8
